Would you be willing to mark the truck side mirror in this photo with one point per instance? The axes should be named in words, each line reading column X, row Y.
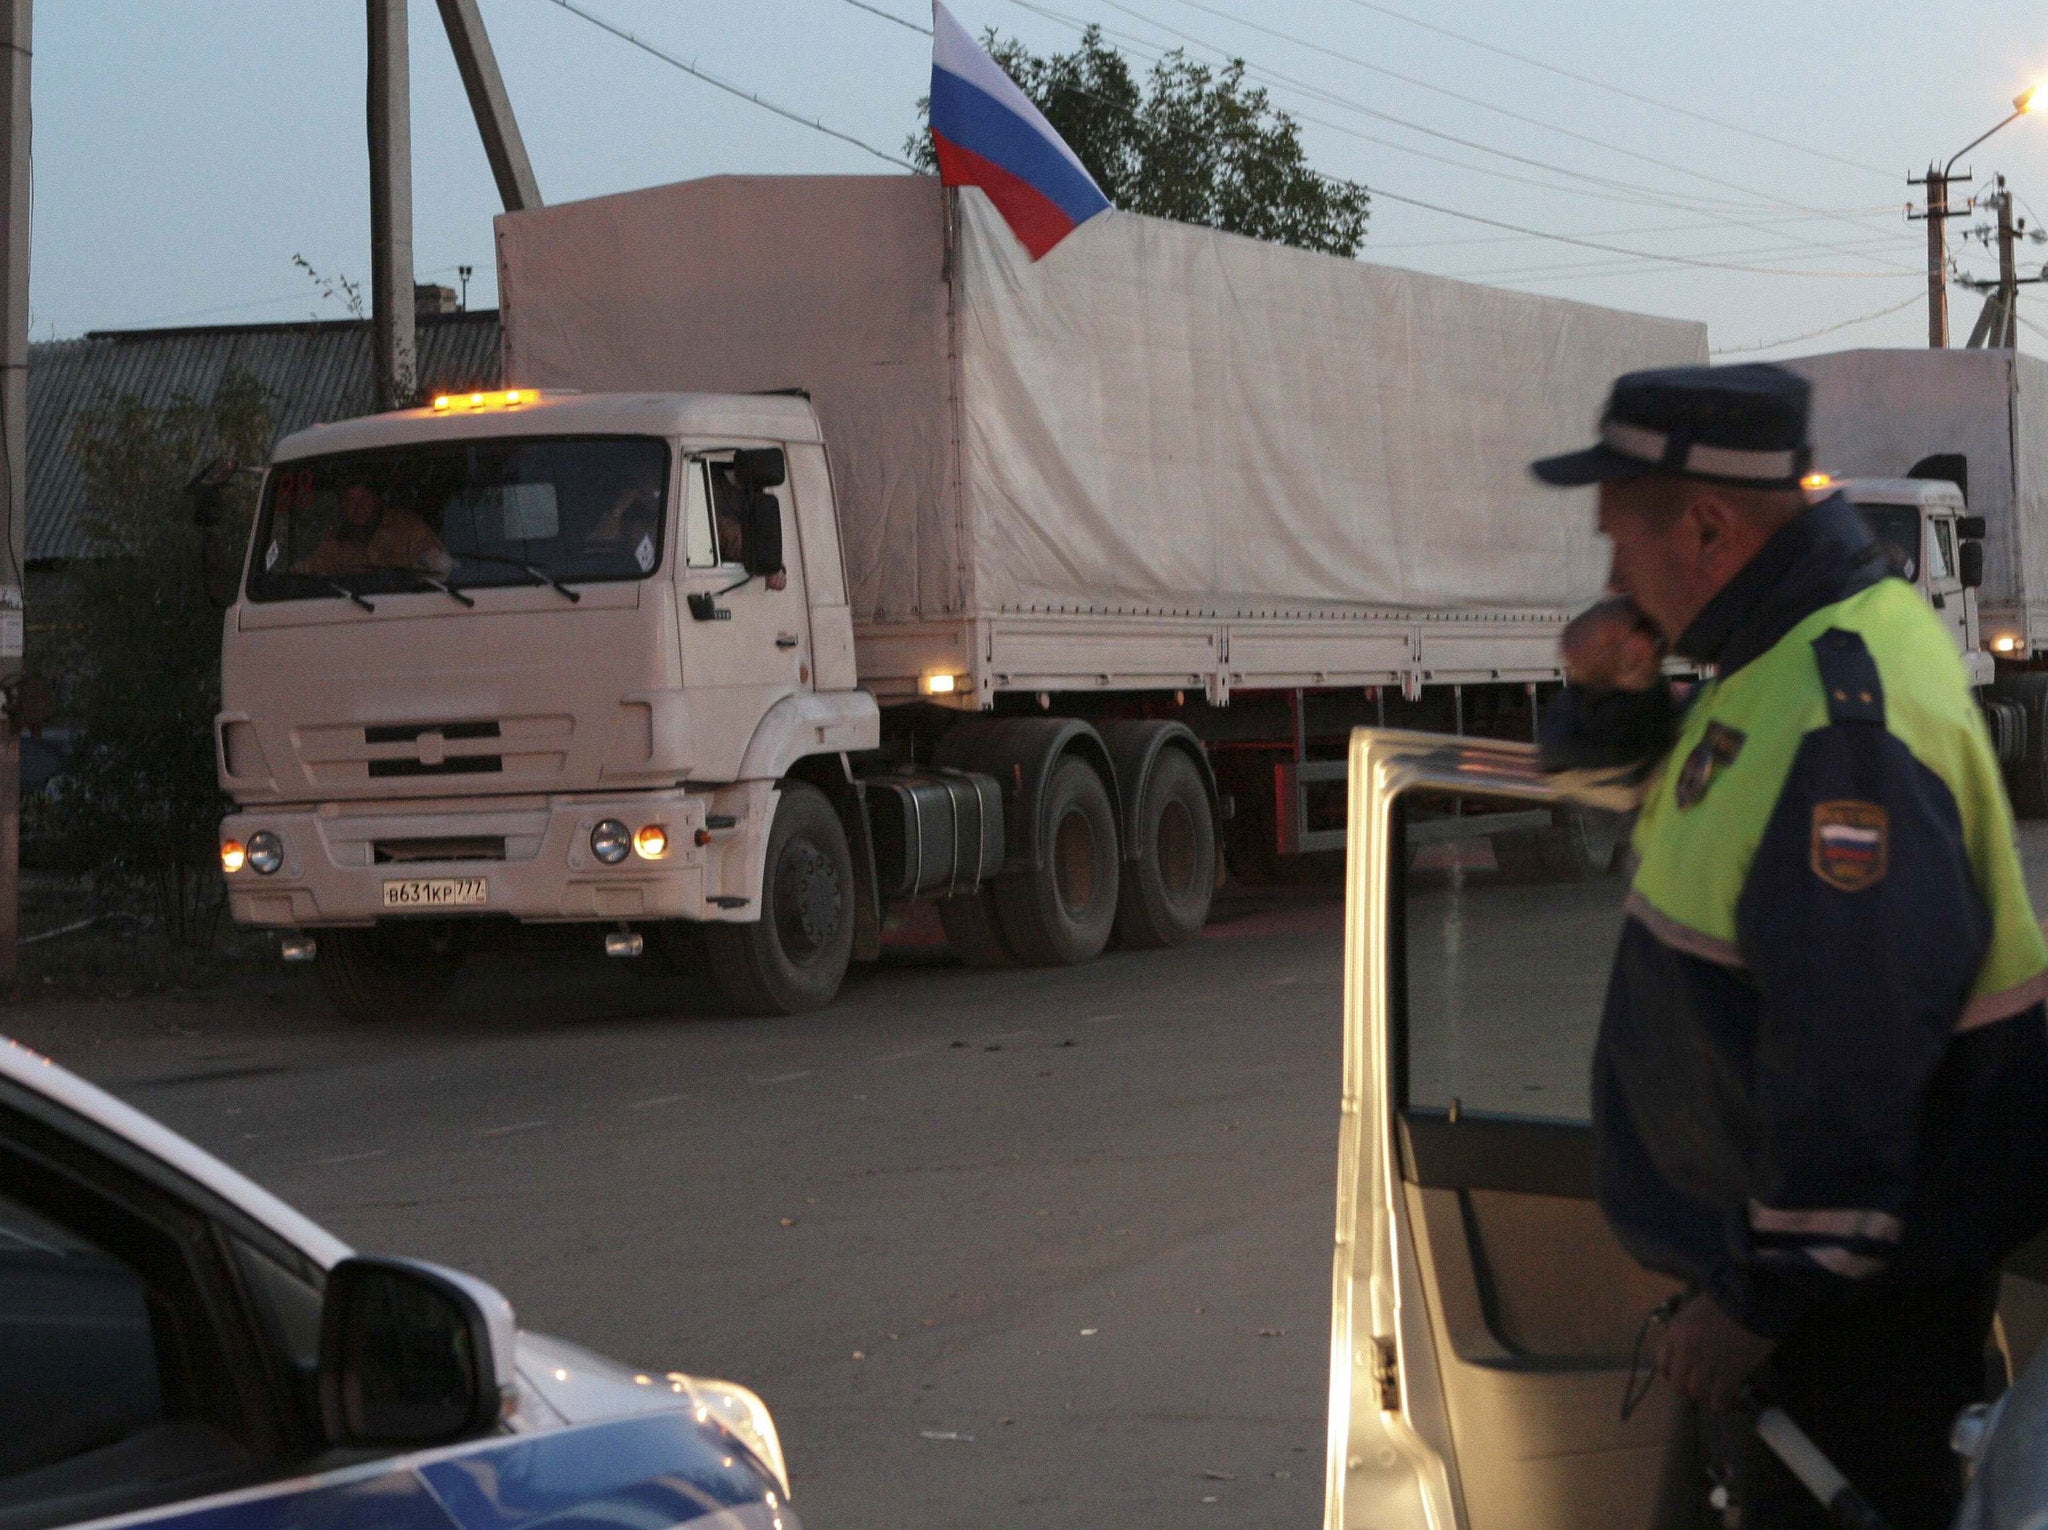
column 1972, row 527
column 762, row 550
column 761, row 467
column 1970, row 563
column 205, row 488
column 412, row 1354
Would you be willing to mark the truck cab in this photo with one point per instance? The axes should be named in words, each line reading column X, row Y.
column 1933, row 543
column 530, row 657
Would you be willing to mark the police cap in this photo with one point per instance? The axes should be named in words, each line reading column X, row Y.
column 1740, row 425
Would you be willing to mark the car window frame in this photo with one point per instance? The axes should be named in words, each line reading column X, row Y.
column 272, row 1408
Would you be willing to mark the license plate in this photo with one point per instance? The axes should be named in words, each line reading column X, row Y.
column 436, row 892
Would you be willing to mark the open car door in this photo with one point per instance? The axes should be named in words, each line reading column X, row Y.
column 1484, row 1316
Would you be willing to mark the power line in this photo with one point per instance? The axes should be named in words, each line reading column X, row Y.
column 1660, row 228
column 1516, row 228
column 1619, row 90
column 876, row 10
column 1815, row 334
column 1454, row 95
column 1624, row 268
column 698, row 72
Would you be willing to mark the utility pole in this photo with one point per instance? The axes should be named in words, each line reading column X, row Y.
column 478, row 66
column 393, row 341
column 16, row 167
column 1937, row 182
column 2008, row 329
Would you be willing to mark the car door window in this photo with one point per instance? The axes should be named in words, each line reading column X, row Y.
column 132, row 1367
column 79, row 1368
column 1513, row 912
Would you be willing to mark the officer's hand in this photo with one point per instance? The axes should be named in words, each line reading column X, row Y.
column 1706, row 1355
column 1612, row 646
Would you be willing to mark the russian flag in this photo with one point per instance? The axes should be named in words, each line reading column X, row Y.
column 987, row 133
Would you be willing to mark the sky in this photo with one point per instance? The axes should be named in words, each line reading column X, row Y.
column 185, row 154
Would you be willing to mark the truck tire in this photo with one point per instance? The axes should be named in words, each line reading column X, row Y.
column 972, row 929
column 389, row 972
column 794, row 956
column 1061, row 911
column 2026, row 778
column 1169, row 876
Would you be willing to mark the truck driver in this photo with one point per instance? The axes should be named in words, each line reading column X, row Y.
column 372, row 535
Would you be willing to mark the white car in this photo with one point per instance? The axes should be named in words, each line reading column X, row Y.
column 178, row 1346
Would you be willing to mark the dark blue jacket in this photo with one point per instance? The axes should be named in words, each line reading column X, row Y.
column 1822, row 1069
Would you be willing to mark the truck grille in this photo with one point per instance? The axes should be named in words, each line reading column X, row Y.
column 480, row 847
column 454, row 765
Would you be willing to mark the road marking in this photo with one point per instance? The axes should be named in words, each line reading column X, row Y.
column 782, row 1078
column 353, row 1157
column 901, row 1056
column 506, row 1131
column 659, row 1099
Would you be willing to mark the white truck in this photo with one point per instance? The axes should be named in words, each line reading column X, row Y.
column 831, row 554
column 1946, row 451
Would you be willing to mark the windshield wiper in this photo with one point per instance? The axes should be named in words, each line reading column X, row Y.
column 532, row 571
column 428, row 581
column 342, row 590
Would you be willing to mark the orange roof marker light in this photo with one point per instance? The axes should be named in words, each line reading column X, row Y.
column 509, row 398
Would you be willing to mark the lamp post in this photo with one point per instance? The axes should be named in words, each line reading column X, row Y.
column 1937, row 183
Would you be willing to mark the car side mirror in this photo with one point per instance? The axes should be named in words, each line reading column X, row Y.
column 1972, row 526
column 1970, row 564
column 762, row 467
column 412, row 1354
column 763, row 545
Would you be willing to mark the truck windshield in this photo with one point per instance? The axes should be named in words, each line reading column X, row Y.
column 464, row 514
column 1897, row 529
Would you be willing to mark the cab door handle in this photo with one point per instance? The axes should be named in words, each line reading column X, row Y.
column 786, row 640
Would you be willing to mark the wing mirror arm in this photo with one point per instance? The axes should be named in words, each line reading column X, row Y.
column 412, row 1354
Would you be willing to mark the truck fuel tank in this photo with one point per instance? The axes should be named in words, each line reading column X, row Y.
column 934, row 831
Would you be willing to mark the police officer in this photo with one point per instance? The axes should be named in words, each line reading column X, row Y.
column 1821, row 1085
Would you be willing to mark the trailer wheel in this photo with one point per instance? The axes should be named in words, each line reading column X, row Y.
column 972, row 929
column 389, row 972
column 1061, row 912
column 794, row 956
column 2026, row 778
column 1170, row 877
column 1581, row 842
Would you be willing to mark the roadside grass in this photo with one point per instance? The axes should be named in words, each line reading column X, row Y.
column 78, row 941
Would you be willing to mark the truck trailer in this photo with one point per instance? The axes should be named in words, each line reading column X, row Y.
column 831, row 554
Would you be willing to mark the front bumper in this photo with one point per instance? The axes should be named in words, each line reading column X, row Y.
column 533, row 854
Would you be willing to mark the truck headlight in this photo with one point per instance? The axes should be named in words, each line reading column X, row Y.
column 233, row 856
column 651, row 842
column 266, row 852
column 611, row 842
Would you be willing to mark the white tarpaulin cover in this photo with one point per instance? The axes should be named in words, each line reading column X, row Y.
column 1876, row 413
column 1154, row 419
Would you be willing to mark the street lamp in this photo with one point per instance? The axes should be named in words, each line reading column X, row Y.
column 1937, row 183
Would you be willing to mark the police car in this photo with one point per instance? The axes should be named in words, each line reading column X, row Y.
column 178, row 1347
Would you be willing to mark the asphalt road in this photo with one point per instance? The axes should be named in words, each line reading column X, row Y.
column 1027, row 1249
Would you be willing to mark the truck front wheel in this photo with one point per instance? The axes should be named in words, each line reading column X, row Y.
column 390, row 972
column 793, row 957
column 2026, row 778
column 1060, row 912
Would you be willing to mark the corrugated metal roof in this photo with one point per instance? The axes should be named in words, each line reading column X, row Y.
column 313, row 371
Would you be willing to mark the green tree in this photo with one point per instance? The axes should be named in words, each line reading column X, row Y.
column 138, row 804
column 1194, row 144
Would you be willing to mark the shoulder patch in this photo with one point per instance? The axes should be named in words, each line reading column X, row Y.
column 1848, row 676
column 1851, row 844
column 1715, row 751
